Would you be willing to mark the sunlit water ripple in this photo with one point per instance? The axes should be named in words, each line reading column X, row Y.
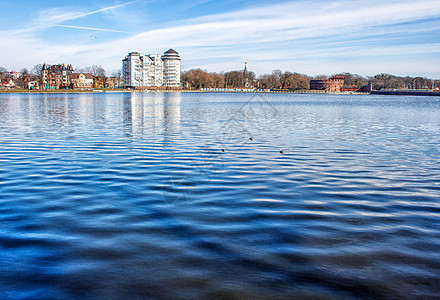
column 129, row 195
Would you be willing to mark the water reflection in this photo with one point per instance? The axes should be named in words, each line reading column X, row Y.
column 157, row 113
column 97, row 202
column 154, row 113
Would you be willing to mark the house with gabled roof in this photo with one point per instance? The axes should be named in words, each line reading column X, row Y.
column 81, row 81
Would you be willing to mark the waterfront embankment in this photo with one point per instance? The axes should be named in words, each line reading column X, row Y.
column 382, row 92
column 407, row 92
column 69, row 91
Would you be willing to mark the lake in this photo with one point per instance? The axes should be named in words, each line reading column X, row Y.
column 187, row 195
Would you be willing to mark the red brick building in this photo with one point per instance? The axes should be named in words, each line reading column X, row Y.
column 333, row 84
column 56, row 76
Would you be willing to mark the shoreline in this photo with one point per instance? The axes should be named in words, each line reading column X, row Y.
column 390, row 93
column 17, row 91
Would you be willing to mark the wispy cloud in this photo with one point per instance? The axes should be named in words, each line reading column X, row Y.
column 91, row 28
column 53, row 16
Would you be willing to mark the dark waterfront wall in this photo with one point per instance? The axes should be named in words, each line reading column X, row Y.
column 407, row 93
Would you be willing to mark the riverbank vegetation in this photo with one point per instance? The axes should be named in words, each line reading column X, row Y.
column 197, row 78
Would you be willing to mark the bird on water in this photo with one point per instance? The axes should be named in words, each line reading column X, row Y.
column 281, row 151
column 223, row 149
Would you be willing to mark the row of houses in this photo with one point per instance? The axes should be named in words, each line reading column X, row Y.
column 18, row 82
column 63, row 77
column 59, row 76
column 138, row 72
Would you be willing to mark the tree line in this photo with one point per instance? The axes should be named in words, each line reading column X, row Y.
column 197, row 78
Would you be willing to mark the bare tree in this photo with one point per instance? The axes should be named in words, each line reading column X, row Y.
column 4, row 75
column 321, row 77
column 95, row 70
column 234, row 79
column 218, row 80
column 197, row 79
column 36, row 70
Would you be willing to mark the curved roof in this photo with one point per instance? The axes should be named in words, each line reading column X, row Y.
column 171, row 55
column 171, row 51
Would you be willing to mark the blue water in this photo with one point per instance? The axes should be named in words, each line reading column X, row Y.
column 130, row 196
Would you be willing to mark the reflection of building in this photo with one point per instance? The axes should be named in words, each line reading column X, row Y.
column 334, row 84
column 152, row 112
column 56, row 76
column 81, row 80
column 145, row 71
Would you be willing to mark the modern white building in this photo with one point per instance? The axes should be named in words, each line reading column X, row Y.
column 171, row 71
column 153, row 70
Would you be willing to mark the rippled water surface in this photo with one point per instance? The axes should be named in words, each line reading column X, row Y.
column 130, row 196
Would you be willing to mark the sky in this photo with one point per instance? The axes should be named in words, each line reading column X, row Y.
column 312, row 37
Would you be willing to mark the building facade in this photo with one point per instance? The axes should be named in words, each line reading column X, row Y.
column 81, row 81
column 333, row 84
column 171, row 71
column 56, row 76
column 153, row 70
column 132, row 73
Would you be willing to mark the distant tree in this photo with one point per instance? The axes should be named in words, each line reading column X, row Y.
column 218, row 80
column 250, row 78
column 23, row 80
column 196, row 78
column 116, row 78
column 388, row 81
column 234, row 79
column 24, row 72
column 284, row 79
column 36, row 72
column 4, row 75
column 299, row 82
column 320, row 77
column 354, row 79
column 277, row 78
column 95, row 70
column 264, row 81
column 119, row 74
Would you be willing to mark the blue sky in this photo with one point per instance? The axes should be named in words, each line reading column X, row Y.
column 314, row 37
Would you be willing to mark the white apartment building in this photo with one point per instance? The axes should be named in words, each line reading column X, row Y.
column 171, row 71
column 153, row 70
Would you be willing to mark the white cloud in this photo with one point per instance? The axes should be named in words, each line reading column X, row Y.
column 53, row 16
column 91, row 28
column 303, row 36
